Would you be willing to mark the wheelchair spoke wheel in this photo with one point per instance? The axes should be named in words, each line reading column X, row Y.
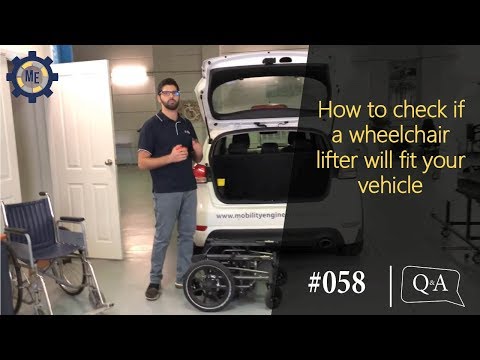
column 273, row 298
column 209, row 285
column 15, row 274
column 72, row 272
column 282, row 277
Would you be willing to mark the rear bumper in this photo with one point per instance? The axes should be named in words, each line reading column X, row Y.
column 297, row 238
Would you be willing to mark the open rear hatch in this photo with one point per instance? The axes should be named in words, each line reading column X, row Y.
column 270, row 89
column 251, row 104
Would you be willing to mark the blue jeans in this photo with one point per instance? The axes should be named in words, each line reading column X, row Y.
column 171, row 207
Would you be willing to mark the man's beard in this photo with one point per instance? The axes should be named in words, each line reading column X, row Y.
column 171, row 106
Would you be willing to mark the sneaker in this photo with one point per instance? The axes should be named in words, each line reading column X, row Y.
column 178, row 285
column 153, row 292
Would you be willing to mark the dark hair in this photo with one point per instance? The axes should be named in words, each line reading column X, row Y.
column 167, row 81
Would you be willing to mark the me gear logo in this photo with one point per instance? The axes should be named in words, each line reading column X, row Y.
column 32, row 76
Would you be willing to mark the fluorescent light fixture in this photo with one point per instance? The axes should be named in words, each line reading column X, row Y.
column 129, row 75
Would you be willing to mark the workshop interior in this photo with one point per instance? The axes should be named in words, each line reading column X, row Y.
column 274, row 203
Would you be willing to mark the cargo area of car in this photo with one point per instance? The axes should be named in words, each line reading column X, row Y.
column 268, row 167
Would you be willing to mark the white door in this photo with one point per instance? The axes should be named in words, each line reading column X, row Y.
column 10, row 179
column 82, row 153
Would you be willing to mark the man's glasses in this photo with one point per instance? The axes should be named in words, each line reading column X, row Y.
column 168, row 93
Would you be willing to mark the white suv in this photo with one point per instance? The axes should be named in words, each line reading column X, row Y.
column 257, row 157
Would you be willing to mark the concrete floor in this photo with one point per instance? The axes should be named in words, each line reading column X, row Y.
column 124, row 282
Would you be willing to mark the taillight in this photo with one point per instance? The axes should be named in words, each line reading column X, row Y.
column 201, row 227
column 200, row 173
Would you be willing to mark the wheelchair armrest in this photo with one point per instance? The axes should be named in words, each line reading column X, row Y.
column 18, row 231
column 72, row 219
column 22, row 250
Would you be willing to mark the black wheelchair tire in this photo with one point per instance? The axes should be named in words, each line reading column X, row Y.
column 12, row 260
column 221, row 269
column 273, row 298
column 74, row 290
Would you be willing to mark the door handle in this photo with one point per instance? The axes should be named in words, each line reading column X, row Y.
column 109, row 162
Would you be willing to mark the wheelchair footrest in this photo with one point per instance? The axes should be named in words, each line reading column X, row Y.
column 100, row 310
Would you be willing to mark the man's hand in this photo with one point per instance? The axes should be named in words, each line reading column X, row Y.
column 197, row 147
column 179, row 153
column 197, row 151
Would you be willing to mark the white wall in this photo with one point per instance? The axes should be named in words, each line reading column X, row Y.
column 32, row 147
column 452, row 73
column 353, row 75
column 132, row 105
column 181, row 62
column 22, row 50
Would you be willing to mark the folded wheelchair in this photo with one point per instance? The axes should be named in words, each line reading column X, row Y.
column 41, row 247
column 227, row 269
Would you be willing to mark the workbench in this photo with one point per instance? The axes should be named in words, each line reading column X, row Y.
column 469, row 186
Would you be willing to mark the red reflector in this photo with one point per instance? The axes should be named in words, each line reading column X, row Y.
column 201, row 227
column 200, row 173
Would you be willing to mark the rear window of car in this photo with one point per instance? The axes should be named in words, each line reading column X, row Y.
column 267, row 92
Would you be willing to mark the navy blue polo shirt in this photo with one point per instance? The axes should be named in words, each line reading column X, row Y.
column 159, row 135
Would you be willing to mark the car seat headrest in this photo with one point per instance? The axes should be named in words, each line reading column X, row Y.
column 295, row 136
column 237, row 148
column 241, row 138
column 269, row 148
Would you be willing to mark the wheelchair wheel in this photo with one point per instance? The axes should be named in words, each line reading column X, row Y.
column 73, row 272
column 273, row 298
column 15, row 274
column 282, row 277
column 209, row 285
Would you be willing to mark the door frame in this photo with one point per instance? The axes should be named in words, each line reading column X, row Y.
column 7, row 97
